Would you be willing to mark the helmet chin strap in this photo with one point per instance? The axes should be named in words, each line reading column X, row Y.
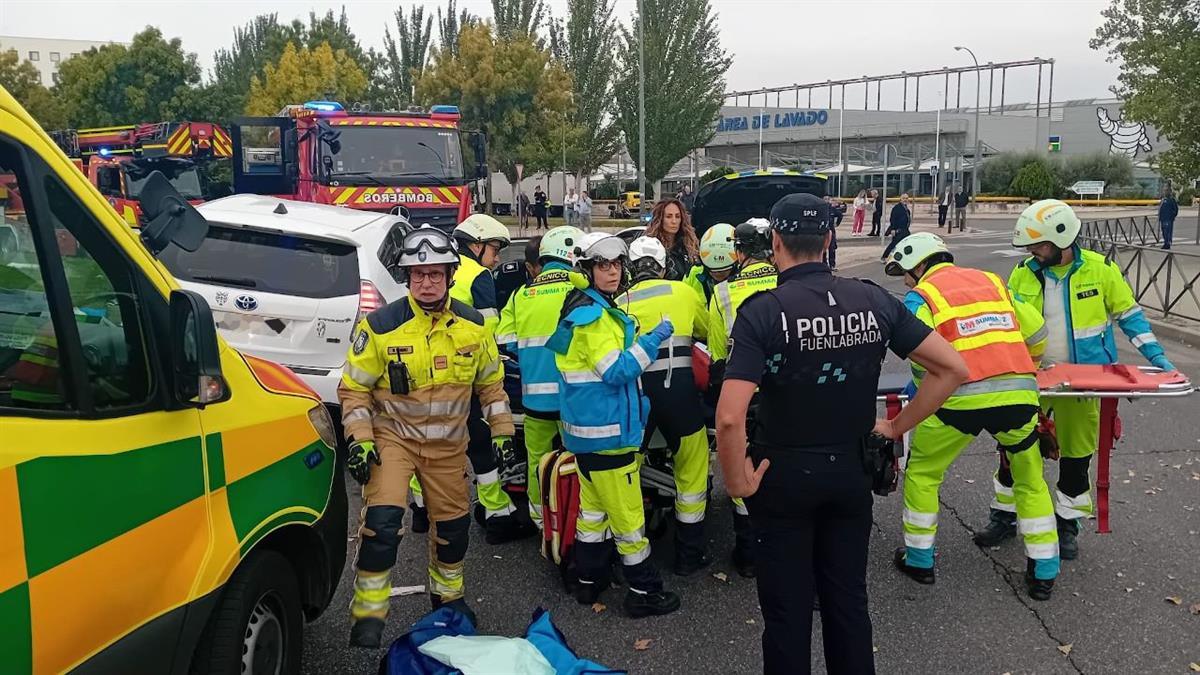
column 435, row 306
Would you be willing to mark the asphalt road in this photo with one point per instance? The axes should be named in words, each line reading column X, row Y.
column 1112, row 610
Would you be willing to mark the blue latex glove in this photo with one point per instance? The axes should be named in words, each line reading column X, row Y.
column 1161, row 361
column 663, row 330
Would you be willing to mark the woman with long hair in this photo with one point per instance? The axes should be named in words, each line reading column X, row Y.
column 671, row 225
column 860, row 212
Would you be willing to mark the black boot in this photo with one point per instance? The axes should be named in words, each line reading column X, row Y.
column 1001, row 525
column 921, row 575
column 420, row 519
column 588, row 592
column 743, row 546
column 1068, row 530
column 690, row 553
column 367, row 633
column 458, row 604
column 503, row 529
column 656, row 603
column 1039, row 589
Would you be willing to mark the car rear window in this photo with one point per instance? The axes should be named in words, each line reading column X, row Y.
column 269, row 262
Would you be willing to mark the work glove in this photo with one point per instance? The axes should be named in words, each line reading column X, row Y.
column 362, row 454
column 1161, row 361
column 663, row 330
column 1047, row 440
column 506, row 457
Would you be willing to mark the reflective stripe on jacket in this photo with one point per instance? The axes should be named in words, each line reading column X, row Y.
column 1096, row 295
column 526, row 323
column 728, row 296
column 599, row 361
column 475, row 287
column 651, row 301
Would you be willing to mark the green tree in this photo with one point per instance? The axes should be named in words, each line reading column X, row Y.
column 450, row 24
column 305, row 74
column 22, row 80
column 1114, row 170
column 715, row 174
column 510, row 89
column 408, row 53
column 151, row 80
column 1036, row 180
column 1157, row 44
column 685, row 81
column 518, row 18
column 588, row 49
column 999, row 170
column 256, row 44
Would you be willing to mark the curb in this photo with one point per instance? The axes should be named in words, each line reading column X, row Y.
column 1188, row 336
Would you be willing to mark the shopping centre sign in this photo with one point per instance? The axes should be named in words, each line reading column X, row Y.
column 780, row 120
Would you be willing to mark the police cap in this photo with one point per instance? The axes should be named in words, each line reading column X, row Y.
column 800, row 213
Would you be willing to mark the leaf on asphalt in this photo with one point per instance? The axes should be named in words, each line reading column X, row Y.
column 1195, row 667
column 1065, row 649
column 1174, row 599
column 642, row 644
column 751, row 621
column 1195, row 609
column 1120, row 575
column 1128, row 590
column 874, row 649
column 1132, row 473
column 970, row 480
column 721, row 576
column 498, row 557
column 598, row 607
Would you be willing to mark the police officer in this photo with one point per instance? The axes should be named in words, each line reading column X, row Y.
column 413, row 367
column 527, row 321
column 599, row 358
column 808, row 493
column 754, row 273
column 716, row 260
column 674, row 402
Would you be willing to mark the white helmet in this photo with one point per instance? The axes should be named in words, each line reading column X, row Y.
column 559, row 244
column 648, row 247
column 426, row 245
column 595, row 246
column 912, row 251
column 481, row 228
column 1049, row 220
column 716, row 247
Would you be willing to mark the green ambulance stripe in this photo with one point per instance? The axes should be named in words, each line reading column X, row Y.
column 70, row 505
column 214, row 448
column 16, row 637
column 288, row 482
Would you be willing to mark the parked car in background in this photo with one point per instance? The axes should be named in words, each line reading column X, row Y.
column 287, row 281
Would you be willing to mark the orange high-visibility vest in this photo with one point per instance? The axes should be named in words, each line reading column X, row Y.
column 972, row 311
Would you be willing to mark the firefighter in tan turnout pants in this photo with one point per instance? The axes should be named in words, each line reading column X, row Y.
column 406, row 393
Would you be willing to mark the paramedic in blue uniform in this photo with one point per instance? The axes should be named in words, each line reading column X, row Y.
column 814, row 347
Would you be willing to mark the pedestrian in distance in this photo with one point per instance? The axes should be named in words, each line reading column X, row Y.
column 804, row 479
column 944, row 204
column 1002, row 349
column 523, row 210
column 860, row 211
column 836, row 210
column 583, row 210
column 686, row 197
column 672, row 226
column 603, row 412
column 876, row 212
column 961, row 200
column 899, row 223
column 397, row 390
column 540, row 205
column 1168, row 210
column 570, row 201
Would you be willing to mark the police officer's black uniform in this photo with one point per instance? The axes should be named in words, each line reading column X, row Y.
column 817, row 371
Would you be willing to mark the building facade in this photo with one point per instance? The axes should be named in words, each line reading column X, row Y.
column 47, row 53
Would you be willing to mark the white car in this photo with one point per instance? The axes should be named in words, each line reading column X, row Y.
column 287, row 281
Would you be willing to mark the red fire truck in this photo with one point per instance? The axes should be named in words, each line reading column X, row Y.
column 118, row 160
column 410, row 162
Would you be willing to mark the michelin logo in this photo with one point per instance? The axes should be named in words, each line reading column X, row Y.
column 838, row 332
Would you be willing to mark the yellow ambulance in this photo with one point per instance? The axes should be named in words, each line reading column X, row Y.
column 167, row 504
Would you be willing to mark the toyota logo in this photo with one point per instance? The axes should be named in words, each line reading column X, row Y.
column 246, row 303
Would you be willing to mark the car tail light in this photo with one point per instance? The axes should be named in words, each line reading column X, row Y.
column 369, row 299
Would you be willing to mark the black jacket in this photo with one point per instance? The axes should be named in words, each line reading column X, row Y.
column 1168, row 209
column 961, row 200
column 900, row 220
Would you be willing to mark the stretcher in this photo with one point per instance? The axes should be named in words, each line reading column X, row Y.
column 1109, row 383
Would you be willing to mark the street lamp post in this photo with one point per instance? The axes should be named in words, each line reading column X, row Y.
column 975, row 163
column 641, row 109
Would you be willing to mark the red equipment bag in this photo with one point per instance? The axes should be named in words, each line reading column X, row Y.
column 701, row 363
column 560, row 508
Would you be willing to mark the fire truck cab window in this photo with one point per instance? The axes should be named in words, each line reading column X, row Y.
column 108, row 181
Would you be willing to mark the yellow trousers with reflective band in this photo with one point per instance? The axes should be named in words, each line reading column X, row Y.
column 1077, row 427
column 691, row 477
column 610, row 505
column 539, row 440
column 935, row 446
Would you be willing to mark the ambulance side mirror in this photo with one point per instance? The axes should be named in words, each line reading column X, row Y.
column 196, row 378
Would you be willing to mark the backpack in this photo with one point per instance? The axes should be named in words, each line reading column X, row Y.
column 560, row 509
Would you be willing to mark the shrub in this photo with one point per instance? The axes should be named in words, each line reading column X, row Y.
column 1035, row 180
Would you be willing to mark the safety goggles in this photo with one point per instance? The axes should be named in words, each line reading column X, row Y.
column 430, row 239
column 608, row 248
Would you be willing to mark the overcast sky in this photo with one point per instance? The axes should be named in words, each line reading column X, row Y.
column 773, row 42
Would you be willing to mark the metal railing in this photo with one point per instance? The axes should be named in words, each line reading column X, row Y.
column 1137, row 230
column 1162, row 280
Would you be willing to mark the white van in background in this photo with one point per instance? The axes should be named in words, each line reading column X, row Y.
column 287, row 281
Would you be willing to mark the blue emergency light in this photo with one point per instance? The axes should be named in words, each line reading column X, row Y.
column 324, row 106
column 105, row 152
column 444, row 109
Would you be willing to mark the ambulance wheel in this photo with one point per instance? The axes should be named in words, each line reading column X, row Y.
column 257, row 626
